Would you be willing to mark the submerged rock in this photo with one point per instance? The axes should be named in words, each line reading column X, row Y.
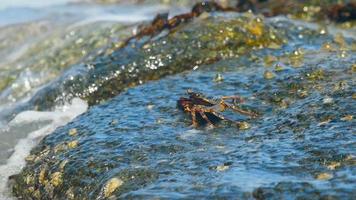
column 139, row 145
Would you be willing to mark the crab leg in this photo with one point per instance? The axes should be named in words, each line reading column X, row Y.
column 239, row 110
column 194, row 117
column 224, row 118
column 202, row 113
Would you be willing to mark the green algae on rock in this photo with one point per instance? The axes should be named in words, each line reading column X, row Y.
column 205, row 40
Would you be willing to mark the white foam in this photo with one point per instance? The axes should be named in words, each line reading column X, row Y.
column 31, row 3
column 59, row 117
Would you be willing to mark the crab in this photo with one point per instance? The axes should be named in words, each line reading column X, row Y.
column 208, row 111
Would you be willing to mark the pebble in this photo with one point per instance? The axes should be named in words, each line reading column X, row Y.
column 72, row 132
column 324, row 176
column 111, row 186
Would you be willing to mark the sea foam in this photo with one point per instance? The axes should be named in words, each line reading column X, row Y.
column 59, row 117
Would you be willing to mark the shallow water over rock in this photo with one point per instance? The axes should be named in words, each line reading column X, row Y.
column 139, row 145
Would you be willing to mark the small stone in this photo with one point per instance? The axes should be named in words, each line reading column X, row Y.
column 204, row 15
column 218, row 78
column 347, row 118
column 353, row 68
column 354, row 96
column 150, row 107
column 72, row 132
column 333, row 165
column 327, row 46
column 268, row 75
column 323, row 30
column 324, row 122
column 278, row 67
column 324, row 176
column 343, row 54
column 111, row 186
column 73, row 144
column 283, row 104
column 302, row 93
column 244, row 126
column 56, row 179
column 114, row 122
column 30, row 158
column 328, row 100
column 221, row 168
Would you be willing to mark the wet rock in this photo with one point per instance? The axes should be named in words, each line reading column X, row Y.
column 164, row 48
column 139, row 145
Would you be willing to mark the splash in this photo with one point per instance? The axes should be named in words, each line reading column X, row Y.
column 59, row 117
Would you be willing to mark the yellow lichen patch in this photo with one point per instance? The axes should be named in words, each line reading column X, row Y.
column 221, row 168
column 353, row 68
column 72, row 132
column 354, row 95
column 73, row 144
column 42, row 176
column 268, row 75
column 316, row 75
column 333, row 165
column 347, row 118
column 29, row 180
column 57, row 179
column 111, row 186
column 244, row 126
column 255, row 27
column 324, row 176
column 59, row 148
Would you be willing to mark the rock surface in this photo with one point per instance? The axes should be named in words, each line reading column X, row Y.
column 139, row 145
